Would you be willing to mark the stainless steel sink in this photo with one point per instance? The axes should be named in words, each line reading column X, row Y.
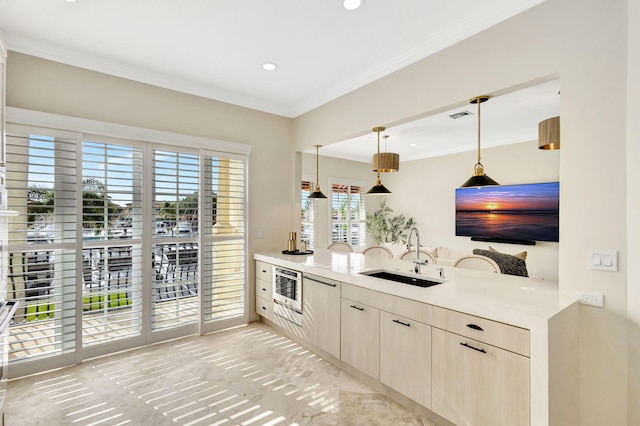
column 411, row 279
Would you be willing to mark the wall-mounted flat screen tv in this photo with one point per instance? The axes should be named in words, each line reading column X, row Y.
column 528, row 212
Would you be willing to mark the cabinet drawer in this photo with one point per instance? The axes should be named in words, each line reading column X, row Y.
column 408, row 308
column 264, row 271
column 264, row 308
column 504, row 336
column 264, row 289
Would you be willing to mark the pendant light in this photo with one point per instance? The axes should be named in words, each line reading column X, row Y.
column 316, row 192
column 549, row 133
column 479, row 178
column 387, row 162
column 378, row 188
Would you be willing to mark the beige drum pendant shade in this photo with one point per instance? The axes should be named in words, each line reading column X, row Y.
column 386, row 162
column 549, row 133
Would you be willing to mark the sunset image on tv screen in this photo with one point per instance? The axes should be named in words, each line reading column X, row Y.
column 509, row 212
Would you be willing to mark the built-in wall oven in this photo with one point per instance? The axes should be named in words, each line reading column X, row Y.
column 287, row 294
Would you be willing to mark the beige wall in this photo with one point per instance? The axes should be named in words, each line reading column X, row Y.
column 633, row 207
column 425, row 189
column 584, row 44
column 47, row 86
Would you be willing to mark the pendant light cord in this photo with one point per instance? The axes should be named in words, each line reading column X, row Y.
column 479, row 130
column 378, row 157
column 317, row 163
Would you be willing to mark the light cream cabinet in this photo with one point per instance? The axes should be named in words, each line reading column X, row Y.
column 405, row 356
column 469, row 370
column 264, row 290
column 321, row 313
column 474, row 383
column 360, row 337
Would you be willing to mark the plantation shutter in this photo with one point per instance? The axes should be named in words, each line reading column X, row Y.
column 42, row 241
column 111, row 251
column 175, row 249
column 307, row 214
column 348, row 213
column 224, row 201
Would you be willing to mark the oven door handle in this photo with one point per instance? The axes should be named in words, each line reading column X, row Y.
column 287, row 277
column 306, row 277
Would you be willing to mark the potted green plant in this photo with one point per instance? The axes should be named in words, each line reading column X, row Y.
column 385, row 228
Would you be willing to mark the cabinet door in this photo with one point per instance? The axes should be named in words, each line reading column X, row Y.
column 321, row 313
column 360, row 337
column 405, row 357
column 478, row 384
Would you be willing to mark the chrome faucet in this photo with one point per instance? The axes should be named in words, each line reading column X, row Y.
column 417, row 261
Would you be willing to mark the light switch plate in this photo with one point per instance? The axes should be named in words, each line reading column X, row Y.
column 603, row 260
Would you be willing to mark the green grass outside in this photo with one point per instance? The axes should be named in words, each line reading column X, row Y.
column 96, row 303
column 42, row 310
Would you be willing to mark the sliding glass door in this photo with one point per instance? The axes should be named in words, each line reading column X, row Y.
column 43, row 245
column 119, row 243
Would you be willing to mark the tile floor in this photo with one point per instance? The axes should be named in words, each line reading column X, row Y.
column 246, row 376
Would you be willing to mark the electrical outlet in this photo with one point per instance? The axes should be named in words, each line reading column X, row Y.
column 591, row 298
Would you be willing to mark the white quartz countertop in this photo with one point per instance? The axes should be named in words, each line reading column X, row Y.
column 519, row 301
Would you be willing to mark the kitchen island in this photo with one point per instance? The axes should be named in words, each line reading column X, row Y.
column 517, row 335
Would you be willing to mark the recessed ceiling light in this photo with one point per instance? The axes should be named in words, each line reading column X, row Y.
column 269, row 66
column 413, row 145
column 352, row 4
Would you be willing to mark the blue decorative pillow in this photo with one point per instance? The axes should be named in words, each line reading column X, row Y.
column 508, row 264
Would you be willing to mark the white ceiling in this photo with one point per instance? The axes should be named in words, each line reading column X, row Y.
column 215, row 48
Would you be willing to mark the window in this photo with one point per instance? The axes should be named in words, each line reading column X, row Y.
column 111, row 242
column 307, row 214
column 224, row 207
column 348, row 214
column 41, row 243
column 120, row 243
column 176, row 193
